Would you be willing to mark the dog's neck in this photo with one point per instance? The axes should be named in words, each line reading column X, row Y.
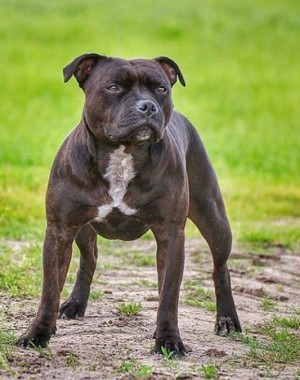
column 119, row 172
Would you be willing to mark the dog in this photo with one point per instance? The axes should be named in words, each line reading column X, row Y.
column 131, row 165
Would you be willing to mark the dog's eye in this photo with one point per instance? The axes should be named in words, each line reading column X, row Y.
column 113, row 88
column 161, row 89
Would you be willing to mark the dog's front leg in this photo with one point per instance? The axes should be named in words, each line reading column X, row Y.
column 170, row 263
column 56, row 259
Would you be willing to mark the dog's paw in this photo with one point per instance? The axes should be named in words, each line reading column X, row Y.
column 72, row 309
column 170, row 347
column 27, row 340
column 35, row 337
column 225, row 325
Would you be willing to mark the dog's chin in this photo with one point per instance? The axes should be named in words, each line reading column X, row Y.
column 144, row 134
column 139, row 136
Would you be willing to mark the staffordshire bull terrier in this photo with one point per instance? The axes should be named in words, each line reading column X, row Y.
column 132, row 164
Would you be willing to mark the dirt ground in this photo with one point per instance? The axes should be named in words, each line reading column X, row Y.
column 108, row 345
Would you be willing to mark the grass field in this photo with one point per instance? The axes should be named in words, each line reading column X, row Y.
column 241, row 64
column 240, row 60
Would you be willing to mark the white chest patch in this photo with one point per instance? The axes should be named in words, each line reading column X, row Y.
column 119, row 173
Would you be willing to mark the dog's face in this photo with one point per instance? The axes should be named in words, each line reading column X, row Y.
column 126, row 101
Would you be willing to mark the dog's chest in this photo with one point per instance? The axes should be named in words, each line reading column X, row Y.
column 119, row 173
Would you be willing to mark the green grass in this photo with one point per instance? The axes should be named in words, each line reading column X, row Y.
column 136, row 369
column 7, row 341
column 96, row 295
column 43, row 352
column 146, row 283
column 197, row 296
column 293, row 321
column 241, row 64
column 276, row 342
column 20, row 274
column 129, row 309
column 282, row 347
column 209, row 371
column 72, row 360
column 167, row 354
column 268, row 304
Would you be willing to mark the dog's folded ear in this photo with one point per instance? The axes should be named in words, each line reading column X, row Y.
column 81, row 67
column 171, row 69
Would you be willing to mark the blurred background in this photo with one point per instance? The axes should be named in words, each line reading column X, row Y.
column 240, row 60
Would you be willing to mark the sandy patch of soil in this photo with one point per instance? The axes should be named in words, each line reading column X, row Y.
column 106, row 343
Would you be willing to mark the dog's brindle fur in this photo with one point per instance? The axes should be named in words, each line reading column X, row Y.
column 132, row 164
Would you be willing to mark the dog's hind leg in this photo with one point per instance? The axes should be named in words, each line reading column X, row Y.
column 207, row 211
column 74, row 307
column 214, row 227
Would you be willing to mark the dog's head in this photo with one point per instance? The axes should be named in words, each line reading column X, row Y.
column 126, row 101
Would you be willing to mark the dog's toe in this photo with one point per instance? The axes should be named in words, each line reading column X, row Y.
column 171, row 348
column 71, row 309
column 225, row 325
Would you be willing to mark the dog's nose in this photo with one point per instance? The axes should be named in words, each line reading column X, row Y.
column 147, row 107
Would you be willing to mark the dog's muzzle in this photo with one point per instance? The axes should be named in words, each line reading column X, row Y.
column 148, row 125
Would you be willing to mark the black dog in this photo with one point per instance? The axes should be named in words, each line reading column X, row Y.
column 132, row 164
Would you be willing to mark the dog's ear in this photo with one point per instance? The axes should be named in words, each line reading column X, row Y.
column 81, row 67
column 171, row 69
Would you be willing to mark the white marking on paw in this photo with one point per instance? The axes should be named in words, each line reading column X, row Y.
column 119, row 173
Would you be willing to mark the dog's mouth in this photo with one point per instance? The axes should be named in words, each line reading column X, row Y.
column 139, row 135
column 143, row 134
